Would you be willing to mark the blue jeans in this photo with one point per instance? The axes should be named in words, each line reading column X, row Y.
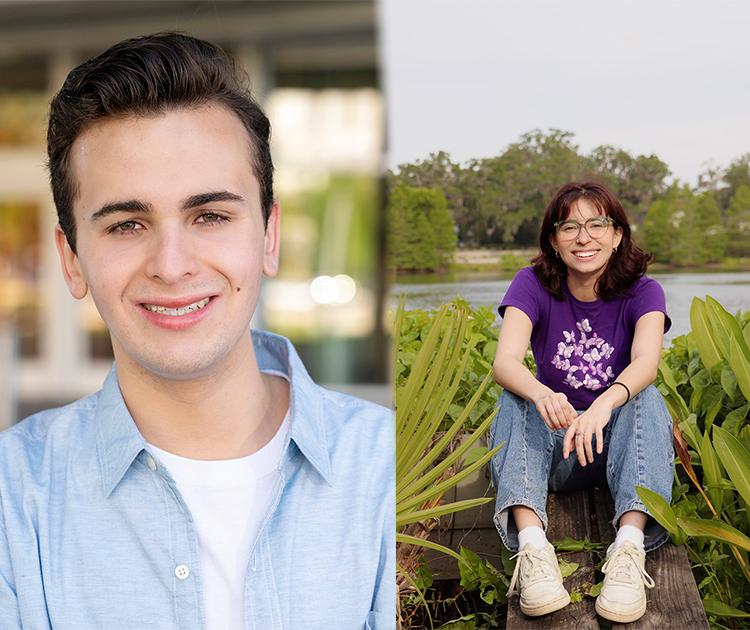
column 637, row 452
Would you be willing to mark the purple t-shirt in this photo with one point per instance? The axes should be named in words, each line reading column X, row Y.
column 581, row 347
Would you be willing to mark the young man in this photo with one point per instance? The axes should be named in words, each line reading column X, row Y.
column 210, row 483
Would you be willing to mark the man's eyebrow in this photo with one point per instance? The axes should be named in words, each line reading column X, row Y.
column 194, row 201
column 202, row 199
column 132, row 205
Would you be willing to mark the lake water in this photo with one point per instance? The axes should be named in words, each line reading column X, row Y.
column 732, row 290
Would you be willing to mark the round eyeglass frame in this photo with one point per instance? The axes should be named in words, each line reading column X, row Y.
column 607, row 220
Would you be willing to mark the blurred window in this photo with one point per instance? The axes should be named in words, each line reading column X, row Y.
column 19, row 272
column 327, row 147
column 22, row 118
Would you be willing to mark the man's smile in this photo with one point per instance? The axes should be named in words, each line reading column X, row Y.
column 176, row 311
column 176, row 314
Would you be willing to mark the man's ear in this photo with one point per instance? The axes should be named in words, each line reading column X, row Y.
column 71, row 268
column 271, row 241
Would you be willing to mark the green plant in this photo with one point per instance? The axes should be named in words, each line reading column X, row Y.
column 480, row 341
column 430, row 458
column 705, row 379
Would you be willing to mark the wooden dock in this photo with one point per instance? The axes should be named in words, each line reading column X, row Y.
column 673, row 603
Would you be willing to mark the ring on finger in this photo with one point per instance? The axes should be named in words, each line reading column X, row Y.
column 579, row 434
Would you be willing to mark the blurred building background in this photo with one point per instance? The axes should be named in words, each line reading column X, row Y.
column 314, row 67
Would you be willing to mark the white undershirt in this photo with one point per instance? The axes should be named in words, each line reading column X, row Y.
column 229, row 500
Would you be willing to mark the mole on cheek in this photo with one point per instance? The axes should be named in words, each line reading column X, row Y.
column 238, row 289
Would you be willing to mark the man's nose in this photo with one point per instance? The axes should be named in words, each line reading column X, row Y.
column 171, row 257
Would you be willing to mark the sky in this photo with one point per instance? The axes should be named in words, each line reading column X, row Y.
column 663, row 77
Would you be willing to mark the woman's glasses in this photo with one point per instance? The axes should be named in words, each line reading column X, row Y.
column 596, row 227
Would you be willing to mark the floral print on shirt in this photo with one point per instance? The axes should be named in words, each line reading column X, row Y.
column 583, row 359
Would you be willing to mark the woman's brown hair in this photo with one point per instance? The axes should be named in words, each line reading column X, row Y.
column 625, row 265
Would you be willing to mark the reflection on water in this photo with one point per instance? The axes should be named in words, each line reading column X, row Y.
column 732, row 290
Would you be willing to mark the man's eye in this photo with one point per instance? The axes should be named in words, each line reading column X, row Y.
column 126, row 227
column 210, row 218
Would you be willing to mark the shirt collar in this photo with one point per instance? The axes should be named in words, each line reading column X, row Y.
column 276, row 353
column 119, row 442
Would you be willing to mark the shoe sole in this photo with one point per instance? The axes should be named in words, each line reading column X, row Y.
column 548, row 607
column 611, row 615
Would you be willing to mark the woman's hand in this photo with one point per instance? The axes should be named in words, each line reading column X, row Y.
column 579, row 436
column 555, row 410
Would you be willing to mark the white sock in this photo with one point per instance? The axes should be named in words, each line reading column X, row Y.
column 533, row 536
column 629, row 533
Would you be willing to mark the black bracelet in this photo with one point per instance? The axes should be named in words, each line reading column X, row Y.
column 625, row 386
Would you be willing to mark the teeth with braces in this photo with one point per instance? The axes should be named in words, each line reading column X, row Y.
column 176, row 312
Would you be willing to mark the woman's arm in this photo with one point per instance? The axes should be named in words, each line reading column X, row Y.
column 645, row 352
column 511, row 373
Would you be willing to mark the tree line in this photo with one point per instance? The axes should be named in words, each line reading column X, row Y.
column 436, row 204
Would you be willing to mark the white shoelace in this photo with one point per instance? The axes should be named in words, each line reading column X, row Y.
column 624, row 566
column 537, row 567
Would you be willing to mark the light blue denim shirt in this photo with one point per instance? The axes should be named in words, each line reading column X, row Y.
column 95, row 535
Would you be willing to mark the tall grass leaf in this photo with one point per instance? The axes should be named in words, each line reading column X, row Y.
column 666, row 375
column 420, row 595
column 711, row 472
column 726, row 327
column 416, row 485
column 734, row 419
column 735, row 459
column 692, row 434
column 729, row 381
column 741, row 368
column 405, row 394
column 711, row 528
column 713, row 412
column 676, row 403
column 441, row 510
column 427, row 544
column 431, row 381
column 720, row 609
column 659, row 509
column 702, row 334
column 440, row 488
column 427, row 460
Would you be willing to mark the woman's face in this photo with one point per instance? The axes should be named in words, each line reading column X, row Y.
column 581, row 252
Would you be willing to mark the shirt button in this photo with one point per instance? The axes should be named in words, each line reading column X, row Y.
column 181, row 571
column 150, row 462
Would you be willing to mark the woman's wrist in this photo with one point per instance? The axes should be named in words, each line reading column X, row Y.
column 610, row 398
column 542, row 392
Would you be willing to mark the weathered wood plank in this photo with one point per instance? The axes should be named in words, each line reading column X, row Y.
column 674, row 602
column 568, row 516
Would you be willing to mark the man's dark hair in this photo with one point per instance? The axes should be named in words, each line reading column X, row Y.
column 145, row 76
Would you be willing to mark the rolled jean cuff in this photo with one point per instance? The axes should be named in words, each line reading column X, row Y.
column 505, row 524
column 654, row 535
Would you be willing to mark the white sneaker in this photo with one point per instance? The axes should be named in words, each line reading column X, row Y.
column 623, row 596
column 539, row 581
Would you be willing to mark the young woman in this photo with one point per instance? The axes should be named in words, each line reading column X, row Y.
column 591, row 415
